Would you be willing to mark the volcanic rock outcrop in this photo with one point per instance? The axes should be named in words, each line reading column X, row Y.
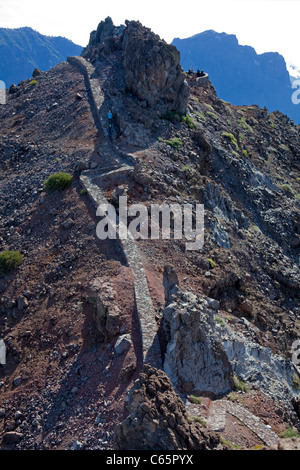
column 151, row 66
column 158, row 418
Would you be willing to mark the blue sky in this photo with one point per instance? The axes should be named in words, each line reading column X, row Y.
column 266, row 25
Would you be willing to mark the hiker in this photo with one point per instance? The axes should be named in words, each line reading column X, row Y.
column 109, row 130
column 110, row 122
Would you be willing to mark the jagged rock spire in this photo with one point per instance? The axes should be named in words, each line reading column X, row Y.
column 151, row 67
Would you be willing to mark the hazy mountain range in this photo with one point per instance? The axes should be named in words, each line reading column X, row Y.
column 239, row 74
column 23, row 49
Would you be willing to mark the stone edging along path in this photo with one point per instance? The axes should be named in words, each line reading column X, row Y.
column 143, row 301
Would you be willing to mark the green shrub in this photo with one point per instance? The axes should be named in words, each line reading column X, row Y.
column 175, row 143
column 239, row 384
column 295, row 382
column 284, row 147
column 212, row 115
column 83, row 192
column 245, row 153
column 33, row 82
column 171, row 116
column 220, row 321
column 288, row 433
column 9, row 260
column 58, row 182
column 189, row 121
column 200, row 420
column 195, row 400
column 212, row 264
column 225, row 442
column 231, row 139
column 287, row 189
column 244, row 125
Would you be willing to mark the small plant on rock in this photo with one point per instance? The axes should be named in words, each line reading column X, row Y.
column 231, row 139
column 239, row 384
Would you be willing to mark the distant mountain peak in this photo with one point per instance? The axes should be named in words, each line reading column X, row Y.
column 238, row 73
column 24, row 49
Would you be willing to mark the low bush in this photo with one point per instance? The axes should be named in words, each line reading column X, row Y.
column 57, row 182
column 10, row 260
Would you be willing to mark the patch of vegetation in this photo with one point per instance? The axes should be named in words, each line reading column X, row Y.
column 172, row 116
column 231, row 139
column 185, row 168
column 175, row 142
column 201, row 116
column 232, row 396
column 284, row 147
column 189, row 121
column 212, row 264
column 33, row 82
column 296, row 382
column 220, row 321
column 255, row 228
column 245, row 153
column 244, row 125
column 212, row 115
column 83, row 192
column 10, row 260
column 58, row 182
column 209, row 106
column 287, row 189
column 229, row 444
column 239, row 384
column 199, row 420
column 195, row 400
column 288, row 433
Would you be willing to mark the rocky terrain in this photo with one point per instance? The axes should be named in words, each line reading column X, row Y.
column 141, row 344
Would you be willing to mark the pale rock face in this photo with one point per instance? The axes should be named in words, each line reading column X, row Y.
column 193, row 355
column 206, row 353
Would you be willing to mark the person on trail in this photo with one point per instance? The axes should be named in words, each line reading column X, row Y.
column 110, row 122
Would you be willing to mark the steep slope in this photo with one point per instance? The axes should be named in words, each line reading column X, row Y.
column 239, row 74
column 23, row 49
column 71, row 313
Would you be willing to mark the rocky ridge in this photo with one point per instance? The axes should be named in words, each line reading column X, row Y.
column 73, row 356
